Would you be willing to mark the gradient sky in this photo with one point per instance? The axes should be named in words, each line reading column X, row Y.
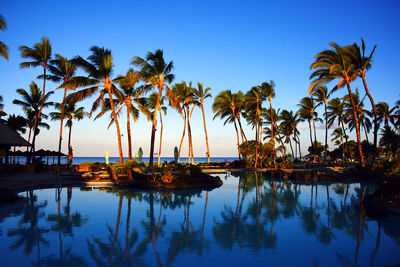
column 225, row 44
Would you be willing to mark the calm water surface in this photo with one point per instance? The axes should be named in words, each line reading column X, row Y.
column 250, row 220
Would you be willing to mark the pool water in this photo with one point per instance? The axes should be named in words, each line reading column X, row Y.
column 250, row 220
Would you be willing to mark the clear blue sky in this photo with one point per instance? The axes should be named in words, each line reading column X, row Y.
column 225, row 44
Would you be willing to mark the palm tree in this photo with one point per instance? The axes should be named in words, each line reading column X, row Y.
column 185, row 96
column 362, row 63
column 268, row 91
column 71, row 112
column 321, row 95
column 1, row 102
column 253, row 100
column 202, row 94
column 335, row 64
column 290, row 120
column 386, row 114
column 130, row 95
column 99, row 67
column 155, row 71
column 40, row 55
column 18, row 124
column 390, row 139
column 338, row 134
column 30, row 122
column 227, row 106
column 307, row 112
column 32, row 102
column 151, row 105
column 3, row 46
column 63, row 70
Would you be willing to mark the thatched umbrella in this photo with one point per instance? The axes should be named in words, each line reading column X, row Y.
column 9, row 138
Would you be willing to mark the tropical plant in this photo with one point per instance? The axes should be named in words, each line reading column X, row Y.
column 335, row 64
column 386, row 114
column 227, row 105
column 321, row 95
column 1, row 102
column 362, row 63
column 31, row 103
column 17, row 123
column 157, row 72
column 131, row 99
column 307, row 112
column 63, row 70
column 268, row 91
column 72, row 112
column 3, row 46
column 290, row 121
column 253, row 107
column 99, row 67
column 201, row 94
column 391, row 140
column 185, row 96
column 40, row 55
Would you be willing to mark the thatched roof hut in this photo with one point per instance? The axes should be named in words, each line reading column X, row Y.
column 9, row 138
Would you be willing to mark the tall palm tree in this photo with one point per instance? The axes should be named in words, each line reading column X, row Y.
column 390, row 139
column 227, row 106
column 151, row 105
column 63, row 70
column 336, row 135
column 31, row 103
column 268, row 91
column 290, row 120
column 157, row 72
column 130, row 96
column 202, row 94
column 72, row 112
column 40, row 55
column 185, row 95
column 3, row 46
column 30, row 122
column 362, row 63
column 99, row 67
column 321, row 95
column 386, row 114
column 335, row 64
column 254, row 99
column 307, row 112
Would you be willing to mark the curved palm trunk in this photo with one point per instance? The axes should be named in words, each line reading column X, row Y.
column 128, row 129
column 309, row 125
column 237, row 137
column 357, row 124
column 61, row 127
column 205, row 131
column 326, row 134
column 121, row 157
column 70, row 155
column 183, row 135
column 375, row 115
column 241, row 129
column 272, row 119
column 315, row 131
column 161, row 130
column 154, row 125
column 291, row 147
column 37, row 118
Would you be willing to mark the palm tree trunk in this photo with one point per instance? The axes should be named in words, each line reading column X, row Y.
column 189, row 136
column 309, row 125
column 121, row 157
column 257, row 130
column 272, row 119
column 357, row 124
column 241, row 129
column 291, row 147
column 315, row 131
column 183, row 135
column 326, row 134
column 161, row 130
column 37, row 119
column 154, row 125
column 128, row 129
column 237, row 137
column 375, row 116
column 205, row 131
column 61, row 127
column 69, row 145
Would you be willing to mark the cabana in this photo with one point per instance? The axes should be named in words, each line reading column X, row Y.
column 8, row 139
column 48, row 153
